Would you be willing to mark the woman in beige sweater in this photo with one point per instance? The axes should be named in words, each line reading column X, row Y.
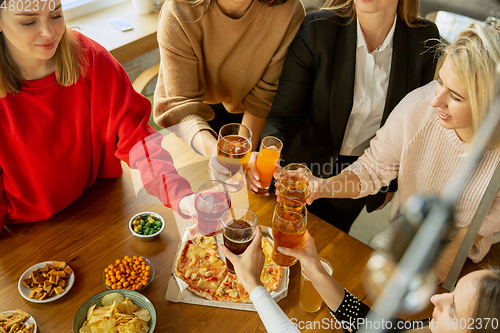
column 220, row 57
column 425, row 140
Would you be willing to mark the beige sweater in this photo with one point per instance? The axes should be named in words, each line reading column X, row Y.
column 413, row 146
column 208, row 58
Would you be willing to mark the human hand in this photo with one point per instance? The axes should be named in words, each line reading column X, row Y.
column 252, row 175
column 248, row 265
column 308, row 255
column 186, row 206
column 234, row 179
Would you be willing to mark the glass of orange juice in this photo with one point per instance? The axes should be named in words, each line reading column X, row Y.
column 309, row 298
column 268, row 159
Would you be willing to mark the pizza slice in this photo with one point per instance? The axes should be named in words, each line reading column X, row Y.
column 206, row 242
column 267, row 248
column 231, row 289
column 201, row 269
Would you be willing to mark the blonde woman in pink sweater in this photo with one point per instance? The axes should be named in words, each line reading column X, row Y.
column 425, row 141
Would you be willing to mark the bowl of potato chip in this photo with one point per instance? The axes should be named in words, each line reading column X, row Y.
column 146, row 226
column 116, row 311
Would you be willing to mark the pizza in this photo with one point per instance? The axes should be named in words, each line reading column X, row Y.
column 231, row 289
column 201, row 268
column 199, row 265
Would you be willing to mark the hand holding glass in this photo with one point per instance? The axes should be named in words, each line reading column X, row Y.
column 212, row 199
column 309, row 298
column 268, row 159
column 234, row 147
column 238, row 231
column 294, row 185
column 288, row 227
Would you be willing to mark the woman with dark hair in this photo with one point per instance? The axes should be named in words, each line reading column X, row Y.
column 69, row 114
column 346, row 70
column 220, row 63
column 474, row 305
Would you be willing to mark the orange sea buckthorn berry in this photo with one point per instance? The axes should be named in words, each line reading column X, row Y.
column 148, row 268
column 134, row 257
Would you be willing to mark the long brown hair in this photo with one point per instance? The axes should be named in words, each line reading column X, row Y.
column 68, row 57
column 488, row 302
column 407, row 10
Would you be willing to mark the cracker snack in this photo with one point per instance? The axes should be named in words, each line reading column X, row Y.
column 48, row 281
column 15, row 322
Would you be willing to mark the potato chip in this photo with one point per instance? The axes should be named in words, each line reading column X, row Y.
column 118, row 314
column 110, row 298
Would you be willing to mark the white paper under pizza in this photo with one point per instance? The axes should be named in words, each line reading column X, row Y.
column 177, row 289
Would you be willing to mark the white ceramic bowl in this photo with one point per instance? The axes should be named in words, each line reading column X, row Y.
column 146, row 238
column 25, row 292
column 27, row 322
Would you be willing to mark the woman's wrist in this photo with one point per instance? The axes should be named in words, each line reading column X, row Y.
column 251, row 285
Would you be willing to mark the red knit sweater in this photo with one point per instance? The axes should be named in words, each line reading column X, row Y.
column 55, row 141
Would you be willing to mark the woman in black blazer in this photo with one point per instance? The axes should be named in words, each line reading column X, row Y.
column 336, row 78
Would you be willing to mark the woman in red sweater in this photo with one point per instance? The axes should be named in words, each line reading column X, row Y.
column 69, row 115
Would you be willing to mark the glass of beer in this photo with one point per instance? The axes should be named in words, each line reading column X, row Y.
column 289, row 226
column 238, row 231
column 294, row 185
column 309, row 298
column 234, row 147
column 268, row 159
column 212, row 199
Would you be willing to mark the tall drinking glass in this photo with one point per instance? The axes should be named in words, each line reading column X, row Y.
column 212, row 199
column 238, row 231
column 268, row 159
column 294, row 185
column 309, row 298
column 234, row 147
column 289, row 226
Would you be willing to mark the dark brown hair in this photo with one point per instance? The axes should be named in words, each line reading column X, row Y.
column 407, row 10
column 488, row 302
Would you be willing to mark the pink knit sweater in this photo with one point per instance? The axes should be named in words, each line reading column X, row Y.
column 425, row 157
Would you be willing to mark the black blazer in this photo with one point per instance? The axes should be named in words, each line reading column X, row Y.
column 315, row 93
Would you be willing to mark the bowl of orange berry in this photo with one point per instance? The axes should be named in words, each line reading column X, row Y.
column 132, row 273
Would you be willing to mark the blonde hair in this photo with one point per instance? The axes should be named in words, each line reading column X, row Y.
column 407, row 10
column 473, row 57
column 69, row 64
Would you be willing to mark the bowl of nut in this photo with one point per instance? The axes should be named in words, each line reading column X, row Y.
column 132, row 273
column 146, row 226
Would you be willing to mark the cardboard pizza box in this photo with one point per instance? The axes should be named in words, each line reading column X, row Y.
column 177, row 292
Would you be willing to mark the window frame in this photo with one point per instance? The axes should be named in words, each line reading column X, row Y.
column 85, row 7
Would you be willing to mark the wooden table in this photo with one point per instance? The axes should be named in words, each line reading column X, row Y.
column 93, row 231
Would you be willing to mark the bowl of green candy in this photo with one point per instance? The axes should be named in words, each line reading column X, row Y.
column 146, row 226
